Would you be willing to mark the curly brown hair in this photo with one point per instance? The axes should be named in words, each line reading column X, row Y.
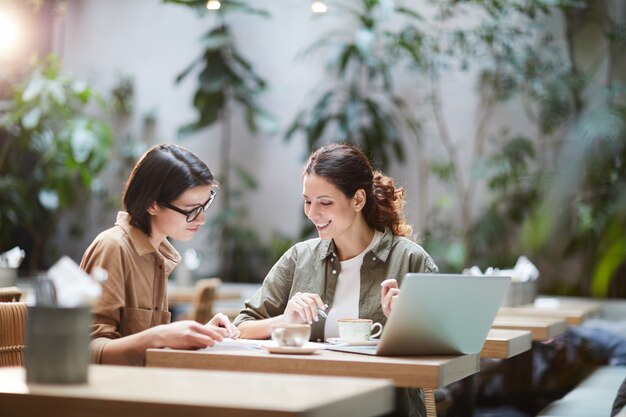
column 348, row 169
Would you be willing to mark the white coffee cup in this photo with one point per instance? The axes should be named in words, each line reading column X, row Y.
column 358, row 330
column 291, row 334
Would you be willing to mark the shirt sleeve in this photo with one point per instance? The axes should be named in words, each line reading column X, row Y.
column 271, row 299
column 106, row 313
column 421, row 261
column 429, row 264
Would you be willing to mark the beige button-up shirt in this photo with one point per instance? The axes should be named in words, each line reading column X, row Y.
column 134, row 297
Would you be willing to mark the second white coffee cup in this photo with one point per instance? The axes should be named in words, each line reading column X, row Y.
column 358, row 330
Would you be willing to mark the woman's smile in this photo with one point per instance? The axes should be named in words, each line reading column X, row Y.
column 322, row 226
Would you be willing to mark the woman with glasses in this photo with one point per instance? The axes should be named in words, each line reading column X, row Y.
column 166, row 195
column 350, row 271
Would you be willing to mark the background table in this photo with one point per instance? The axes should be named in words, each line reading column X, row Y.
column 572, row 315
column 542, row 328
column 229, row 299
column 122, row 391
column 506, row 343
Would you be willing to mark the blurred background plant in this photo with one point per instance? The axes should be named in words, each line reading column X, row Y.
column 51, row 150
column 547, row 185
column 357, row 100
column 541, row 173
column 227, row 85
column 78, row 224
column 128, row 145
column 556, row 195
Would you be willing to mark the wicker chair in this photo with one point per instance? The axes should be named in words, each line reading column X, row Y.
column 12, row 333
column 203, row 298
column 10, row 294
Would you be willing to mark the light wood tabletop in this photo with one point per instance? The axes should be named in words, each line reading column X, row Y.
column 506, row 343
column 122, row 391
column 419, row 372
column 542, row 328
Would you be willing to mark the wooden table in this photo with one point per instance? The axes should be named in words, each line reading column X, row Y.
column 184, row 295
column 506, row 343
column 230, row 297
column 418, row 372
column 573, row 316
column 122, row 391
column 542, row 328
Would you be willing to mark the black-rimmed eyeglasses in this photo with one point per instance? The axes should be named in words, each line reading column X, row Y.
column 194, row 212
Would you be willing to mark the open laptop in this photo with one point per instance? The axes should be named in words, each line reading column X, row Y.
column 439, row 314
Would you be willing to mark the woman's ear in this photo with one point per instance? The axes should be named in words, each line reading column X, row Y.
column 359, row 199
column 152, row 209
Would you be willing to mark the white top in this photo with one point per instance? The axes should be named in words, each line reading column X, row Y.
column 346, row 299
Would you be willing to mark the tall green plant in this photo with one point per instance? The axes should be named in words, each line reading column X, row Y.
column 51, row 150
column 358, row 102
column 500, row 41
column 578, row 108
column 583, row 212
column 226, row 80
column 570, row 195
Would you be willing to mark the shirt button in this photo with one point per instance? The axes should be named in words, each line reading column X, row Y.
column 319, row 340
column 374, row 258
column 334, row 271
column 156, row 308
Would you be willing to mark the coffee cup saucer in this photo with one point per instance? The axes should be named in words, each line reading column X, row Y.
column 338, row 341
column 291, row 350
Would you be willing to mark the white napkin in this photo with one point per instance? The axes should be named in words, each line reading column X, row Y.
column 74, row 287
column 524, row 270
column 12, row 258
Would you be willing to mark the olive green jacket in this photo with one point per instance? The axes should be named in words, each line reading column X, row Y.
column 313, row 266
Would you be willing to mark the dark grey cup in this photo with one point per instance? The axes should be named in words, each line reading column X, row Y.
column 57, row 344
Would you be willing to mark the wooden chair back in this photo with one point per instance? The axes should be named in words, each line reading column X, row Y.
column 12, row 333
column 203, row 298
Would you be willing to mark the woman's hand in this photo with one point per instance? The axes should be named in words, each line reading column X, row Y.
column 186, row 334
column 302, row 308
column 388, row 293
column 224, row 326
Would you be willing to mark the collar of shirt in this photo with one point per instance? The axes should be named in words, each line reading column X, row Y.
column 382, row 250
column 141, row 242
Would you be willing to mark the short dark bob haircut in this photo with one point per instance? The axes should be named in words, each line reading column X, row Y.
column 162, row 174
